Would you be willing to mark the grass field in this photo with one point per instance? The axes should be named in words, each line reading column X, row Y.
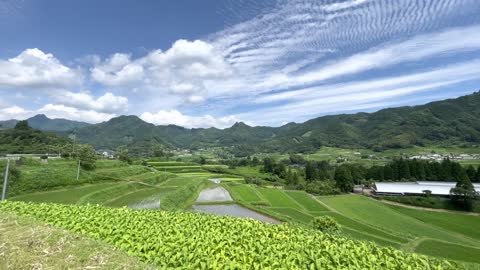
column 245, row 193
column 29, row 244
column 447, row 250
column 367, row 219
column 306, row 201
column 65, row 195
column 447, row 229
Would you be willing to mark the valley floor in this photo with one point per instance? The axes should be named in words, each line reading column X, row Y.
column 453, row 236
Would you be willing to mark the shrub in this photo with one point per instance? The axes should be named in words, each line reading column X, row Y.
column 326, row 224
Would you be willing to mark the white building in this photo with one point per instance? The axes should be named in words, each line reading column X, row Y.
column 416, row 188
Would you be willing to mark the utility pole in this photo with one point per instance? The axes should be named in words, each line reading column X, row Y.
column 5, row 180
column 78, row 170
column 74, row 138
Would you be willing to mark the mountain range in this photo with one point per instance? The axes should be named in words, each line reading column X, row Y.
column 446, row 123
column 42, row 122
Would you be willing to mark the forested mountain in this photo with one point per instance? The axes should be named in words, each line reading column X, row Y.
column 24, row 139
column 44, row 123
column 449, row 122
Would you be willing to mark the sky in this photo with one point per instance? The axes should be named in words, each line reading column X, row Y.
column 213, row 63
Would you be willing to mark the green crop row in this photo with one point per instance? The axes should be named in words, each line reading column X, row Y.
column 186, row 240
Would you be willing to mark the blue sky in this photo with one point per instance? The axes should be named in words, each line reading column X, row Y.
column 213, row 63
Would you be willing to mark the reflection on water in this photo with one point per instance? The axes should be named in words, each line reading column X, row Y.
column 151, row 203
column 216, row 194
column 233, row 210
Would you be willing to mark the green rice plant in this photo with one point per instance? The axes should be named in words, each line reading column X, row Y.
column 277, row 198
column 306, row 201
column 244, row 193
column 293, row 214
column 449, row 250
column 183, row 196
column 67, row 195
column 186, row 240
column 109, row 194
column 377, row 214
column 136, row 197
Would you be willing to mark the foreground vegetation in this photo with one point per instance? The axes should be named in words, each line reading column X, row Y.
column 29, row 244
column 190, row 240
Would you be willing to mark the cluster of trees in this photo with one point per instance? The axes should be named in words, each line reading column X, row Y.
column 405, row 170
column 24, row 139
column 239, row 162
column 318, row 177
column 321, row 177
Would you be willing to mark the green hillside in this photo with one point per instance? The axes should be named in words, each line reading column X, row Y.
column 449, row 122
column 452, row 122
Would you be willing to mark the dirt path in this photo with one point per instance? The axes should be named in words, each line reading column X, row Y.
column 427, row 209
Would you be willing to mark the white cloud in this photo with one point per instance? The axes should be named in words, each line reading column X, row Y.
column 14, row 112
column 181, row 70
column 359, row 95
column 343, row 5
column 108, row 103
column 66, row 112
column 195, row 99
column 167, row 117
column 36, row 69
column 415, row 49
column 462, row 72
column 55, row 111
column 118, row 70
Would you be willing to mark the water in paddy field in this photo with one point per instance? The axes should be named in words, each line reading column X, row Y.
column 146, row 204
column 216, row 194
column 233, row 210
column 220, row 194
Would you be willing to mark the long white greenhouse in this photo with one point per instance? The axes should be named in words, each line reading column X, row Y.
column 416, row 188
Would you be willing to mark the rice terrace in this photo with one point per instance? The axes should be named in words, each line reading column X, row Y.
column 240, row 134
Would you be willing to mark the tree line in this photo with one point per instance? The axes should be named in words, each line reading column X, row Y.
column 321, row 177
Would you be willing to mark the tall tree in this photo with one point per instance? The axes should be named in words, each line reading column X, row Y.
column 463, row 194
column 344, row 179
column 309, row 171
column 445, row 171
column 403, row 169
column 268, row 164
column 122, row 155
column 472, row 173
column 87, row 156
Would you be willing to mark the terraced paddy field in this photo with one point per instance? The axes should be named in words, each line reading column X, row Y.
column 116, row 184
column 446, row 235
column 367, row 219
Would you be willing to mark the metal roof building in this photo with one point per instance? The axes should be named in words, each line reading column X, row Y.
column 416, row 188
